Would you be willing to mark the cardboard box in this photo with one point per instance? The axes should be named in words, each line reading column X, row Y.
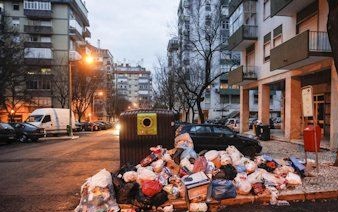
column 197, row 186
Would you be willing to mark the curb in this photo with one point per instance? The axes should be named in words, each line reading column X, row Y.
column 214, row 205
column 59, row 138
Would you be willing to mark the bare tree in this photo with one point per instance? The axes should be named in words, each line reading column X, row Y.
column 85, row 84
column 13, row 92
column 60, row 85
column 204, row 41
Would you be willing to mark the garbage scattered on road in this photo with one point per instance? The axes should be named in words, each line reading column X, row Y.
column 181, row 173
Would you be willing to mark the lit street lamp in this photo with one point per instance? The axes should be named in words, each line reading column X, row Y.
column 73, row 57
column 12, row 114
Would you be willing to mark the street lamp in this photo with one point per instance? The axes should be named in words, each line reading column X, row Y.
column 73, row 57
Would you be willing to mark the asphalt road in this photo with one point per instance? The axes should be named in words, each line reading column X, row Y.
column 47, row 176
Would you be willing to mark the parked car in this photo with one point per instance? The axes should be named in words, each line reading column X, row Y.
column 53, row 120
column 103, row 125
column 7, row 132
column 252, row 121
column 218, row 137
column 79, row 126
column 25, row 132
column 91, row 126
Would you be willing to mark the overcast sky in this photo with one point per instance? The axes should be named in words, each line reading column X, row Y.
column 133, row 29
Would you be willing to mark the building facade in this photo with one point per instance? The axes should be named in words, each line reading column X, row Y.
column 220, row 99
column 284, row 48
column 51, row 29
column 133, row 83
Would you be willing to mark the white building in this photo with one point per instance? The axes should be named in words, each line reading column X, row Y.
column 285, row 47
column 134, row 83
column 220, row 99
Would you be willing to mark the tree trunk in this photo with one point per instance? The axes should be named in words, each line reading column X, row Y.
column 332, row 29
column 200, row 111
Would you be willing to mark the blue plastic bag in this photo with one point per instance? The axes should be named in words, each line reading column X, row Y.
column 240, row 169
column 223, row 189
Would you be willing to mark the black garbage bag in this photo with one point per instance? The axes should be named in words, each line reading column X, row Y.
column 269, row 166
column 117, row 182
column 227, row 172
column 177, row 155
column 127, row 193
column 159, row 198
column 141, row 201
column 125, row 168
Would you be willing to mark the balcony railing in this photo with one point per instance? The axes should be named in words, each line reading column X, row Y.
column 43, row 30
column 310, row 47
column 243, row 37
column 242, row 75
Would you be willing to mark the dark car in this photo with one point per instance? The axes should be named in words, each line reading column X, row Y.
column 90, row 126
column 218, row 137
column 25, row 132
column 103, row 125
column 7, row 132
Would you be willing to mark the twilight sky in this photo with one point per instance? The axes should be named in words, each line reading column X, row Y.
column 133, row 29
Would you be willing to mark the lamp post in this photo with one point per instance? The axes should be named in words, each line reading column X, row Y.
column 12, row 114
column 73, row 57
column 100, row 93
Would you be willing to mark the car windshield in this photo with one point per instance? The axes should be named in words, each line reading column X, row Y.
column 34, row 118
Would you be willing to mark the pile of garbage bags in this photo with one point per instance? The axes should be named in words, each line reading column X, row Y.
column 182, row 173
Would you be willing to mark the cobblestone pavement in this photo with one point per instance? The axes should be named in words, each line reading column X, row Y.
column 324, row 181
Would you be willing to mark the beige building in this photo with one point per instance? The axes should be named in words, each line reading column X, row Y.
column 51, row 29
column 284, row 47
column 134, row 83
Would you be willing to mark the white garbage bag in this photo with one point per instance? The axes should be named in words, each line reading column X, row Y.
column 293, row 179
column 186, row 163
column 256, row 177
column 242, row 184
column 130, row 176
column 235, row 155
column 283, row 170
column 184, row 141
column 198, row 207
column 225, row 159
column 145, row 174
column 102, row 179
column 250, row 166
column 211, row 155
column 158, row 165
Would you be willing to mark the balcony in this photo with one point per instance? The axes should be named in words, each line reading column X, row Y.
column 38, row 61
column 75, row 34
column 242, row 75
column 86, row 33
column 38, row 45
column 288, row 7
column 41, row 30
column 243, row 37
column 38, row 14
column 311, row 47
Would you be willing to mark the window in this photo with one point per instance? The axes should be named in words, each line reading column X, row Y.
column 16, row 7
column 277, row 36
column 45, row 84
column 37, row 5
column 266, row 9
column 38, row 53
column 32, row 84
column 46, row 39
column 15, row 22
column 46, row 70
column 267, row 47
column 46, row 119
column 224, row 86
column 225, row 99
column 235, row 99
column 255, row 99
column 224, row 131
column 34, row 38
column 200, row 129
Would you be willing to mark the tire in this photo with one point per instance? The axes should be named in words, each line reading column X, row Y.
column 23, row 138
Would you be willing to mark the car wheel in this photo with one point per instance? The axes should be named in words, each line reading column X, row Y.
column 23, row 138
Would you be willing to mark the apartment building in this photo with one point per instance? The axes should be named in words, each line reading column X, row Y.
column 220, row 99
column 104, row 63
column 133, row 83
column 284, row 47
column 51, row 30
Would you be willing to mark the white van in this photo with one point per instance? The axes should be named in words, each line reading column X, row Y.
column 53, row 120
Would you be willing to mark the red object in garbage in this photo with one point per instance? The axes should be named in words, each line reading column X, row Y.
column 310, row 138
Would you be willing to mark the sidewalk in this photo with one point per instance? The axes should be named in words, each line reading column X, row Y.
column 321, row 186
